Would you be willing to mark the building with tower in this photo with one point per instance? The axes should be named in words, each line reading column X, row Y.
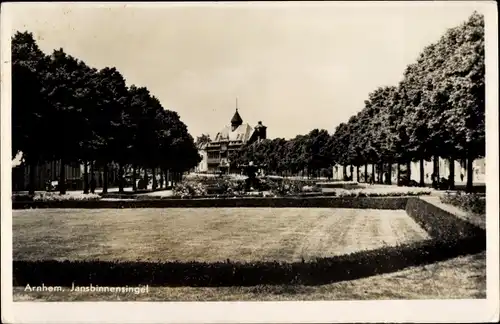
column 216, row 154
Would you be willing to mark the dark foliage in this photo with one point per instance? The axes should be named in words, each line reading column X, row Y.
column 65, row 110
column 440, row 224
column 473, row 203
column 282, row 202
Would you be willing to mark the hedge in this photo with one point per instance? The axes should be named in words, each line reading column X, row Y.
column 321, row 271
column 283, row 202
column 441, row 224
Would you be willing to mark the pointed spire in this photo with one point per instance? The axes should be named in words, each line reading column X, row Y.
column 236, row 121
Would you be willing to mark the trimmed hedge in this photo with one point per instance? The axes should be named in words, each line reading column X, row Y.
column 441, row 224
column 283, row 202
column 322, row 271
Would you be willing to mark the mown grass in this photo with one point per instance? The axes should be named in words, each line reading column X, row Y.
column 237, row 234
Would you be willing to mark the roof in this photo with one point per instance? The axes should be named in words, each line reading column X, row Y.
column 236, row 120
column 241, row 133
column 202, row 146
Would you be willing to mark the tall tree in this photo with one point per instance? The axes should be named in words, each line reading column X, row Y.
column 29, row 105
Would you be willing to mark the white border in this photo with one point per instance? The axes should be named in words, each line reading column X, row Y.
column 261, row 312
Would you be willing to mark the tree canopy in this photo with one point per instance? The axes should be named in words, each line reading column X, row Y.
column 437, row 110
column 63, row 109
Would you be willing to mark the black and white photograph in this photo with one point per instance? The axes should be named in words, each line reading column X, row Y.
column 291, row 161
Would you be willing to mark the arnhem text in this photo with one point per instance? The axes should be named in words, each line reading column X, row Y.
column 89, row 288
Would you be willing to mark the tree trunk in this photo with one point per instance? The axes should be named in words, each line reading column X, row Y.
column 161, row 179
column 389, row 173
column 398, row 174
column 451, row 177
column 422, row 175
column 105, row 178
column 134, row 178
column 435, row 166
column 408, row 168
column 146, row 178
column 92, row 177
column 120, row 178
column 62, row 178
column 373, row 173
column 357, row 173
column 366, row 172
column 85, row 177
column 344, row 173
column 153, row 171
column 470, row 173
column 32, row 176
column 435, row 171
column 381, row 173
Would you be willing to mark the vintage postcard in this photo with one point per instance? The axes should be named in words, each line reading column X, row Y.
column 249, row 162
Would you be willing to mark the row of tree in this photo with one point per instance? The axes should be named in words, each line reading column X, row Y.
column 309, row 154
column 437, row 110
column 64, row 110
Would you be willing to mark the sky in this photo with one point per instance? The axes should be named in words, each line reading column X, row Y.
column 295, row 67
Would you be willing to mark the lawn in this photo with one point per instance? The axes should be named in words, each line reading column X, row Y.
column 238, row 234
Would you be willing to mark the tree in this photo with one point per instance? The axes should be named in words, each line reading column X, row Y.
column 203, row 139
column 29, row 105
column 68, row 93
column 463, row 88
column 110, row 121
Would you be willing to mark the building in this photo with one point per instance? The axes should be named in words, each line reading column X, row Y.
column 216, row 154
column 44, row 173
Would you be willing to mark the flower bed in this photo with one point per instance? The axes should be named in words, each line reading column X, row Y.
column 226, row 186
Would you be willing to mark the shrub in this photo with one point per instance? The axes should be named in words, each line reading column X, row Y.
column 320, row 271
column 441, row 224
column 469, row 202
column 228, row 202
